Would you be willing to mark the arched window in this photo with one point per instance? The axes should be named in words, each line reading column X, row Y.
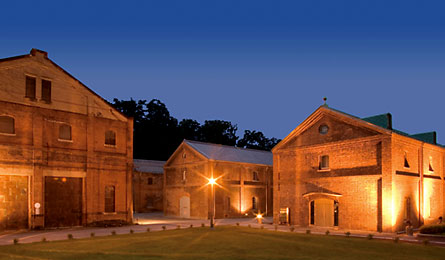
column 110, row 138
column 65, row 132
column 254, row 203
column 255, row 176
column 7, row 125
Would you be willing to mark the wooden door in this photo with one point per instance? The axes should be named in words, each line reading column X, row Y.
column 63, row 201
column 184, row 207
column 324, row 212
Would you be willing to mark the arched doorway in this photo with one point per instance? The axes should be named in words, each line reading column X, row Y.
column 184, row 207
column 323, row 212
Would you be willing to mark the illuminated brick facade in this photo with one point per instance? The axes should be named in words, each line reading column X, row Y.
column 244, row 181
column 148, row 183
column 61, row 147
column 336, row 170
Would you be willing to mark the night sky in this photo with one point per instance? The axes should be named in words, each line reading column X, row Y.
column 263, row 65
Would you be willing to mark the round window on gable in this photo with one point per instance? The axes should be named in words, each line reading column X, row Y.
column 323, row 129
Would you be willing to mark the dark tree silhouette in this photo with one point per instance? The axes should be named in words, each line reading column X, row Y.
column 190, row 129
column 157, row 134
column 160, row 132
column 131, row 108
column 219, row 132
column 256, row 140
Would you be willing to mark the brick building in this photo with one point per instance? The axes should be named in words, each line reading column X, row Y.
column 148, row 183
column 66, row 154
column 337, row 170
column 244, row 181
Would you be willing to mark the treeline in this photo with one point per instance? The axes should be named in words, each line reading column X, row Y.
column 157, row 134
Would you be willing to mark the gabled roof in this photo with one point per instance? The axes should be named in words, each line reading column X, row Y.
column 382, row 123
column 149, row 166
column 220, row 152
column 34, row 51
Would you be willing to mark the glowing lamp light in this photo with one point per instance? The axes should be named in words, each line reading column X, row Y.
column 212, row 181
column 259, row 216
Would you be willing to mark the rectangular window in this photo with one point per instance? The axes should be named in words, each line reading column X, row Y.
column 336, row 213
column 110, row 138
column 150, row 181
column 30, row 88
column 65, row 132
column 229, row 206
column 110, row 199
column 255, row 176
column 7, row 125
column 312, row 212
column 46, row 91
column 324, row 162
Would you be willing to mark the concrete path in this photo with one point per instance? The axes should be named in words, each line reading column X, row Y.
column 156, row 222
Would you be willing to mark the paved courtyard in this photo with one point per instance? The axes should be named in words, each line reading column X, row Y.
column 156, row 222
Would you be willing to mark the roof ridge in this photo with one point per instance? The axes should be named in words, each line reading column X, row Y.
column 146, row 160
column 228, row 146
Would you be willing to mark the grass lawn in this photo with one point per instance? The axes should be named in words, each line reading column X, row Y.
column 221, row 243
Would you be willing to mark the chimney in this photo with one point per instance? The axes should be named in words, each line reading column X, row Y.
column 38, row 53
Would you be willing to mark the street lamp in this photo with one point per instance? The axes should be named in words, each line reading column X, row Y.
column 212, row 182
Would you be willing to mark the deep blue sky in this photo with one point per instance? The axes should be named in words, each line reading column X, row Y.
column 264, row 65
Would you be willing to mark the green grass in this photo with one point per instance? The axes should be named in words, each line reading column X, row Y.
column 220, row 243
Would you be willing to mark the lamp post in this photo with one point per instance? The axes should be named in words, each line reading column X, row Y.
column 212, row 182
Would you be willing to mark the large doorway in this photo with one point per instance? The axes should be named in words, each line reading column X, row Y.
column 184, row 207
column 324, row 213
column 13, row 202
column 63, row 201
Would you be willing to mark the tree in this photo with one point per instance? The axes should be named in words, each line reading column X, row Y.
column 219, row 132
column 190, row 129
column 131, row 108
column 252, row 139
column 256, row 140
column 157, row 134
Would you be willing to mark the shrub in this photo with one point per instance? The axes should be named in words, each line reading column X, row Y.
column 164, row 227
column 396, row 239
column 70, row 236
column 348, row 234
column 113, row 233
column 308, row 231
column 327, row 232
column 131, row 231
column 370, row 236
column 191, row 225
column 148, row 229
column 15, row 241
column 92, row 234
column 203, row 225
column 425, row 242
column 43, row 239
column 292, row 229
column 237, row 223
column 178, row 227
column 433, row 229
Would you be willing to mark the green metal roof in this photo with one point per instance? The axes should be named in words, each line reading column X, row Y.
column 385, row 121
